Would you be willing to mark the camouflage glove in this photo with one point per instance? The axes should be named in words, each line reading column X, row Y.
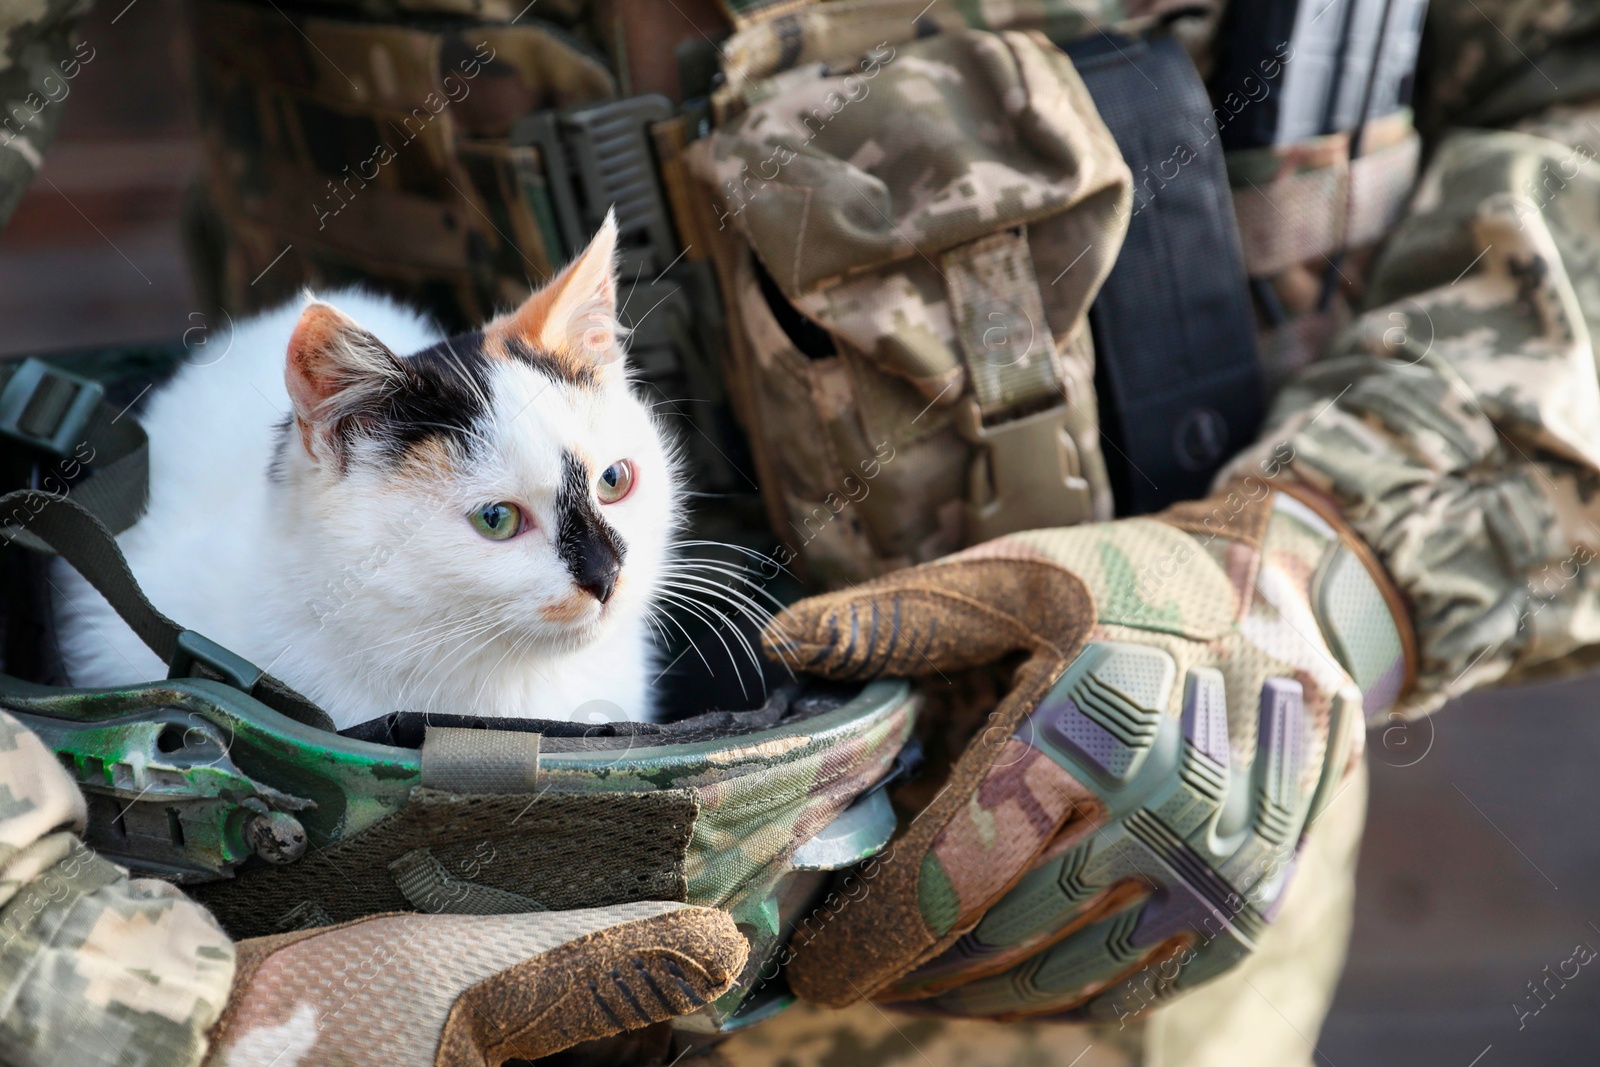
column 1187, row 696
column 403, row 989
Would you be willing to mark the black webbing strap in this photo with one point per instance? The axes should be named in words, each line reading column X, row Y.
column 1176, row 373
column 62, row 419
column 68, row 528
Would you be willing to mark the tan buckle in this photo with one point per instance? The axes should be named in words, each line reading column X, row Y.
column 1025, row 475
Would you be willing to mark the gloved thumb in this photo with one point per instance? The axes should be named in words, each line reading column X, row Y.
column 409, row 990
column 965, row 610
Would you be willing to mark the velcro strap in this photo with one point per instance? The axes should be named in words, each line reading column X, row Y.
column 469, row 761
column 1000, row 324
column 1317, row 202
column 430, row 887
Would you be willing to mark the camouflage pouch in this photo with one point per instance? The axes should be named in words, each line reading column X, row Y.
column 907, row 243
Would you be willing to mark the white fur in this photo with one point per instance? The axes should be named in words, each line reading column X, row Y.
column 368, row 591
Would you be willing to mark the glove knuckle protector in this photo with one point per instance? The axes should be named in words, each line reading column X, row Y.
column 1164, row 752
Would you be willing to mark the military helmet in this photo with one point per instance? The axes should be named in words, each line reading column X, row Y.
column 226, row 781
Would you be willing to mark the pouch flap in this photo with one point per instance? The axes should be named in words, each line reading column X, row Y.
column 915, row 150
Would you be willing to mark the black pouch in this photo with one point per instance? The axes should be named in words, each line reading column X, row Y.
column 1177, row 377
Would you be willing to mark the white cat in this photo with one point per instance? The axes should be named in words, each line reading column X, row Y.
column 480, row 527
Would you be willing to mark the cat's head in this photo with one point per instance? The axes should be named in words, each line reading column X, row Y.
column 507, row 482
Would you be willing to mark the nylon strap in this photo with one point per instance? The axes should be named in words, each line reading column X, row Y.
column 463, row 760
column 430, row 887
column 118, row 462
column 65, row 526
column 1000, row 324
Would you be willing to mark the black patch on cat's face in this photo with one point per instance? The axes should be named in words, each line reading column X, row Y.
column 446, row 395
column 585, row 542
column 447, row 392
column 572, row 371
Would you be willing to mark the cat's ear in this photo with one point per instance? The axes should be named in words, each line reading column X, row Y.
column 336, row 372
column 574, row 317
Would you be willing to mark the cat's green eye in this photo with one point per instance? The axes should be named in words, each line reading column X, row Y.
column 614, row 482
column 497, row 522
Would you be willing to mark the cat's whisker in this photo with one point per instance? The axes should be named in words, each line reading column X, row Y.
column 483, row 682
column 701, row 611
column 435, row 650
column 696, row 608
column 431, row 637
column 636, row 276
column 759, row 618
column 418, row 633
column 686, row 636
column 783, row 641
column 758, row 557
column 711, row 566
column 748, row 606
column 738, row 573
column 757, row 612
column 411, row 682
column 640, row 320
column 651, row 621
column 757, row 615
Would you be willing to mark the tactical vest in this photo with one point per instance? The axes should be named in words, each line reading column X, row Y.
column 913, row 271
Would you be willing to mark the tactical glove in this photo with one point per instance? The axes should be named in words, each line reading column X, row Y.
column 1183, row 695
column 458, row 990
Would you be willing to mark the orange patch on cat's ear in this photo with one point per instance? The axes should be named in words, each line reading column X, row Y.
column 572, row 322
column 331, row 368
column 309, row 372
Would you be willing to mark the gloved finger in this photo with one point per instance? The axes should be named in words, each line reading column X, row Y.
column 1064, row 976
column 1012, row 931
column 963, row 611
column 433, row 990
column 1179, row 855
column 1004, row 802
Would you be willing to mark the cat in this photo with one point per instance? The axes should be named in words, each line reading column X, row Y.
column 482, row 526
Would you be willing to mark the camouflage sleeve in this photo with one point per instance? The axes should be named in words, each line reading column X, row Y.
column 1458, row 422
column 39, row 56
column 95, row 968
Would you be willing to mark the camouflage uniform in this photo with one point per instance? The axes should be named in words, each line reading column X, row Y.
column 1457, row 423
column 39, row 57
column 94, row 967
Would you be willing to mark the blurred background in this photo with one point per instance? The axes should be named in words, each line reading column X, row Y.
column 1480, row 872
